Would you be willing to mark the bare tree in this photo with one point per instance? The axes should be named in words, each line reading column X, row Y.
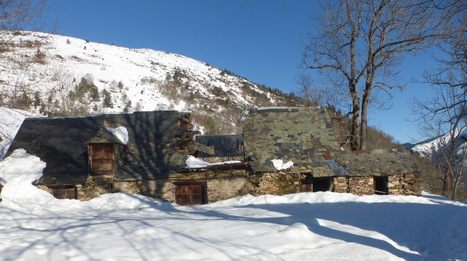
column 19, row 14
column 445, row 114
column 359, row 44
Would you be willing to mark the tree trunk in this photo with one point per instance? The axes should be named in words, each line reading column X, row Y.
column 355, row 128
column 364, row 121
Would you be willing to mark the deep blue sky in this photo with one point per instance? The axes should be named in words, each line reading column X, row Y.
column 260, row 40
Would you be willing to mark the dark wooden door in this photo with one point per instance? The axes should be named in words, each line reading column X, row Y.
column 189, row 194
column 101, row 158
column 307, row 187
column 62, row 192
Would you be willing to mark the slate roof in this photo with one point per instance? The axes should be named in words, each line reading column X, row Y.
column 224, row 145
column 62, row 144
column 302, row 135
column 380, row 162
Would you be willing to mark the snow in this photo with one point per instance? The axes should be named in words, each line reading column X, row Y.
column 280, row 165
column 10, row 122
column 432, row 148
column 305, row 226
column 194, row 163
column 120, row 133
column 143, row 74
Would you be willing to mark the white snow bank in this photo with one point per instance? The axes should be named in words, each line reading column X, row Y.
column 194, row 163
column 121, row 133
column 280, row 165
column 17, row 172
column 20, row 170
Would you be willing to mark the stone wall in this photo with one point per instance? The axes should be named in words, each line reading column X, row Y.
column 94, row 187
column 341, row 184
column 230, row 183
column 276, row 183
column 405, row 184
column 361, row 185
column 221, row 189
column 220, row 185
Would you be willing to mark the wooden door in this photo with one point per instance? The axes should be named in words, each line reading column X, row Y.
column 189, row 194
column 306, row 187
column 62, row 192
column 101, row 158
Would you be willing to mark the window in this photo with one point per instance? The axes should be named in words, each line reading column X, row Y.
column 101, row 158
column 190, row 193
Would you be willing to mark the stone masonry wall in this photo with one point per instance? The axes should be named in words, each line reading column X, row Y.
column 361, row 185
column 221, row 189
column 405, row 184
column 226, row 184
column 341, row 184
column 276, row 183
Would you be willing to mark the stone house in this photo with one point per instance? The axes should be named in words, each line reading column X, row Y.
column 305, row 137
column 158, row 154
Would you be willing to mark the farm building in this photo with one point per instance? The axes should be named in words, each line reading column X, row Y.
column 158, row 154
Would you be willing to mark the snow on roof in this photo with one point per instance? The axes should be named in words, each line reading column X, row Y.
column 195, row 163
column 280, row 165
column 120, row 133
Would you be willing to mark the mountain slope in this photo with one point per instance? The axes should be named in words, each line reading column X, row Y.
column 433, row 148
column 42, row 71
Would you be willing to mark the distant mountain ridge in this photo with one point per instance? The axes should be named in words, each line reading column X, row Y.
column 432, row 148
column 60, row 75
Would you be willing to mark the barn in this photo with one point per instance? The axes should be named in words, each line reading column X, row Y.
column 159, row 154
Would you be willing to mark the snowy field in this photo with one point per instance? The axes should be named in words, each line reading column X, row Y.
column 305, row 226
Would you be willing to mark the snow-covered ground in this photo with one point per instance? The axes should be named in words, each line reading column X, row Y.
column 305, row 226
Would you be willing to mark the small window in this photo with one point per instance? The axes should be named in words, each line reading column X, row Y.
column 101, row 159
column 64, row 192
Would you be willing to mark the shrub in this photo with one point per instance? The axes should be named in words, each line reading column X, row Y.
column 217, row 91
column 107, row 99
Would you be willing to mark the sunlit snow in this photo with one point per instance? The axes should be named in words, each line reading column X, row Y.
column 280, row 165
column 304, row 226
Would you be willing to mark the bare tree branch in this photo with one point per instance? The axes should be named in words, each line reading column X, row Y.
column 363, row 42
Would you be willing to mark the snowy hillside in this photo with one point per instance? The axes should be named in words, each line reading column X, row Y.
column 307, row 226
column 433, row 148
column 41, row 71
column 436, row 150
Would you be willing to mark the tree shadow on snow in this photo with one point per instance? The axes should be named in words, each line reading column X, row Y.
column 422, row 228
column 426, row 229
